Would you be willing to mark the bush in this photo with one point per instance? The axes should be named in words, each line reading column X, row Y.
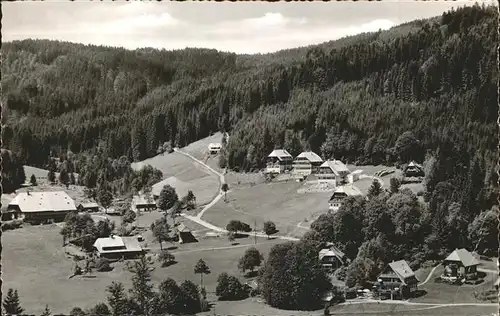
column 341, row 273
column 420, row 193
column 13, row 224
column 102, row 264
column 230, row 288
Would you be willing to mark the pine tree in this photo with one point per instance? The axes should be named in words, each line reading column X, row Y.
column 51, row 176
column 375, row 189
column 33, row 180
column 142, row 288
column 11, row 303
column 46, row 311
column 201, row 268
column 64, row 177
column 117, row 299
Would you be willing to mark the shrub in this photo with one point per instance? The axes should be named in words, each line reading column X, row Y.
column 102, row 264
column 341, row 273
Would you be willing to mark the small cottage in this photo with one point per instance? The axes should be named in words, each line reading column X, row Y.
column 185, row 235
column 399, row 277
column 279, row 161
column 214, row 148
column 460, row 264
column 115, row 247
column 88, row 207
column 413, row 170
column 307, row 163
column 340, row 194
column 142, row 203
column 331, row 258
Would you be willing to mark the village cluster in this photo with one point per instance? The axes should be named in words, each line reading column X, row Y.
column 396, row 281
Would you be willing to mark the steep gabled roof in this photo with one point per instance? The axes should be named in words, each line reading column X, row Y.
column 279, row 153
column 331, row 251
column 402, row 269
column 56, row 201
column 463, row 256
column 311, row 156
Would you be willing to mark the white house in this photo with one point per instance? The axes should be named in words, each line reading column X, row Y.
column 214, row 148
column 354, row 176
column 333, row 171
column 340, row 194
column 307, row 163
column 278, row 161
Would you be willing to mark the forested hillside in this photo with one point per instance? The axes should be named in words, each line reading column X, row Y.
column 351, row 99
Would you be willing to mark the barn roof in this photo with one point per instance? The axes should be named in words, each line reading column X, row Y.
column 49, row 201
column 402, row 269
column 348, row 190
column 463, row 256
column 126, row 243
column 311, row 156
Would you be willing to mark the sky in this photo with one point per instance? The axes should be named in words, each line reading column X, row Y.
column 249, row 27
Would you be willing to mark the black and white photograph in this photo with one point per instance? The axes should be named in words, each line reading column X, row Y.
column 250, row 158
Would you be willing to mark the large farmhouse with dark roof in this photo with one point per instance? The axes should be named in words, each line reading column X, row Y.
column 37, row 207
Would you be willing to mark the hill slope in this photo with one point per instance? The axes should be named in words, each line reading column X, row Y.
column 351, row 98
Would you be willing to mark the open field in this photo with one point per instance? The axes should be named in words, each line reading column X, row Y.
column 199, row 149
column 33, row 260
column 414, row 310
column 277, row 202
column 184, row 174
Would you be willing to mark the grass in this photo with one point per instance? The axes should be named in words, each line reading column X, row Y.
column 442, row 293
column 184, row 174
column 34, row 261
column 277, row 202
column 399, row 309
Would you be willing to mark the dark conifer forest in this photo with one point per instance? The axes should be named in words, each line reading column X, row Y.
column 428, row 85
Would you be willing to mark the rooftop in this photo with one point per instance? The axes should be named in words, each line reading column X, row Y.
column 89, row 205
column 182, row 228
column 331, row 251
column 141, row 200
column 48, row 201
column 309, row 155
column 463, row 256
column 279, row 153
column 348, row 190
column 336, row 166
column 128, row 243
column 402, row 269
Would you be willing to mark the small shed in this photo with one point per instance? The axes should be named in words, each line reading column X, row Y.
column 413, row 169
column 185, row 235
column 88, row 207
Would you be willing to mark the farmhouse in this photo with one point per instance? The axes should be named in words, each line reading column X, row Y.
column 413, row 170
column 185, row 235
column 460, row 264
column 115, row 247
column 307, row 163
column 37, row 207
column 333, row 171
column 88, row 207
column 278, row 161
column 142, row 203
column 214, row 148
column 331, row 258
column 397, row 276
column 340, row 194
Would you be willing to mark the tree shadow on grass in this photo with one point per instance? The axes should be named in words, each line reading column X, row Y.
column 420, row 293
column 241, row 235
column 168, row 264
column 172, row 247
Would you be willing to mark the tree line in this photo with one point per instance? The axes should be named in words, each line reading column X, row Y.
column 360, row 96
